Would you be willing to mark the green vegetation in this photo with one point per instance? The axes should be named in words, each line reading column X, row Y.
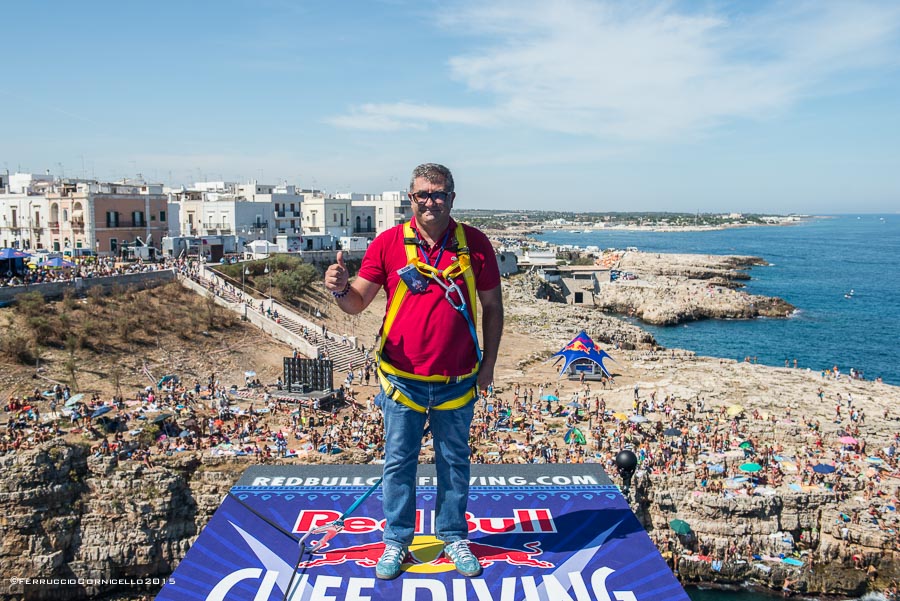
column 284, row 277
column 125, row 320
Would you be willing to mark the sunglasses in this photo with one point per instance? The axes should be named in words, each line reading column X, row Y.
column 421, row 197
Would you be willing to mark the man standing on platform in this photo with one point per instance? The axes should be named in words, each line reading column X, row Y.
column 429, row 359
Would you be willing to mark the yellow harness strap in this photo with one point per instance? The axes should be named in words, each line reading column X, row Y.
column 462, row 266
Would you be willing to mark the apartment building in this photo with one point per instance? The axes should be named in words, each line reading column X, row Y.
column 24, row 211
column 104, row 216
column 387, row 209
column 252, row 211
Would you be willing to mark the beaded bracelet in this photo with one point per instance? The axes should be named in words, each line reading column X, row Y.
column 343, row 292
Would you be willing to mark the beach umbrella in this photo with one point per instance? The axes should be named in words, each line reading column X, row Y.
column 746, row 445
column 847, row 440
column 716, row 468
column 12, row 253
column 680, row 527
column 620, row 416
column 575, row 404
column 734, row 410
column 549, row 397
column 750, row 468
column 574, row 435
column 638, row 419
column 74, row 399
column 101, row 411
column 824, row 468
column 874, row 460
column 56, row 263
column 671, row 432
column 161, row 418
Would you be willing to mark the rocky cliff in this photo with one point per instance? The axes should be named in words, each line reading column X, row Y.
column 836, row 555
column 71, row 516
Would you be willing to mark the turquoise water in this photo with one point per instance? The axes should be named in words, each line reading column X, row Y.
column 813, row 265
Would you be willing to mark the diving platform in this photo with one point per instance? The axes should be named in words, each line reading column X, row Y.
column 541, row 532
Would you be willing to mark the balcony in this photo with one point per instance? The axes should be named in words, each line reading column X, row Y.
column 54, row 227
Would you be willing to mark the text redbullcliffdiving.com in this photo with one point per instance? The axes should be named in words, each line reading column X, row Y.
column 584, row 480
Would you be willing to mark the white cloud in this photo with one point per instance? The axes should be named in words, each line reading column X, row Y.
column 405, row 115
column 639, row 71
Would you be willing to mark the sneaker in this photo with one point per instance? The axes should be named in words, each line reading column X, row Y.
column 462, row 557
column 388, row 567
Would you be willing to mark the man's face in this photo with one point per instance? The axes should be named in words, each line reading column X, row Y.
column 430, row 211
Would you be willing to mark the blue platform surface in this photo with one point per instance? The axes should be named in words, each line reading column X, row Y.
column 542, row 533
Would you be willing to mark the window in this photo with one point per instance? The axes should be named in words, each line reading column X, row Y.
column 162, row 215
column 137, row 218
column 112, row 219
column 113, row 245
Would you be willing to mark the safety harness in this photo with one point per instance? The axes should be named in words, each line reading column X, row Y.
column 446, row 279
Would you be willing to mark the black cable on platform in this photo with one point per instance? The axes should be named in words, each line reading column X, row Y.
column 264, row 518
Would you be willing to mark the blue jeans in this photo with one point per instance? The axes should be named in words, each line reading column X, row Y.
column 403, row 430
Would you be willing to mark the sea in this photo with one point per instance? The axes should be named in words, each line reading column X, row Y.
column 841, row 272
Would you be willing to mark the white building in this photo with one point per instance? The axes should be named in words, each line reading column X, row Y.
column 253, row 211
column 25, row 211
column 389, row 209
column 327, row 215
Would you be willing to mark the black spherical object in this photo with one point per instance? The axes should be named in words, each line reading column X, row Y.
column 626, row 461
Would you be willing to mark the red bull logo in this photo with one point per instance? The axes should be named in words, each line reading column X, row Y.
column 522, row 521
column 366, row 555
column 426, row 556
column 577, row 345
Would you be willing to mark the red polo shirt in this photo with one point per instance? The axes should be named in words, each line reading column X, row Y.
column 429, row 337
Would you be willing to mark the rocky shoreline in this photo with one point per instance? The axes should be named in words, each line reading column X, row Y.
column 674, row 288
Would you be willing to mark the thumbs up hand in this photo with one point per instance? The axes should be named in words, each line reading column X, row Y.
column 337, row 276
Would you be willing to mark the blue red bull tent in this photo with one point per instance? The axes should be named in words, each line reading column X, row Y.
column 582, row 356
column 541, row 532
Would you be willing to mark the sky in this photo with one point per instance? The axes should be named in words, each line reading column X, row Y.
column 582, row 105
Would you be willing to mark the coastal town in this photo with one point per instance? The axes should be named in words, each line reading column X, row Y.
column 786, row 477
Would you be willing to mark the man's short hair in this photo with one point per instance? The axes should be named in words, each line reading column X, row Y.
column 433, row 173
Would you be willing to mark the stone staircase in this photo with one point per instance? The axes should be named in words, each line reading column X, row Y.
column 342, row 354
